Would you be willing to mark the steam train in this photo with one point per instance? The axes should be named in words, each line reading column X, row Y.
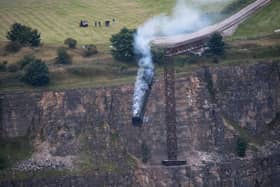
column 138, row 115
column 141, row 98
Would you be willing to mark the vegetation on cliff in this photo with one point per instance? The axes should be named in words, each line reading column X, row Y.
column 13, row 150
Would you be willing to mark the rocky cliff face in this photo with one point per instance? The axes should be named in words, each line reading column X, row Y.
column 91, row 128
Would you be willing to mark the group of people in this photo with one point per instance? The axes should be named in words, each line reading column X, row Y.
column 84, row 23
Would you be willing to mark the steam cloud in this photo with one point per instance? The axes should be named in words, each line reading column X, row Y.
column 182, row 20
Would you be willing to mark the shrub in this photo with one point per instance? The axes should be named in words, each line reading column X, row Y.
column 216, row 45
column 89, row 50
column 145, row 152
column 122, row 44
column 63, row 57
column 25, row 61
column 13, row 46
column 36, row 73
column 70, row 42
column 241, row 147
column 24, row 35
column 13, row 67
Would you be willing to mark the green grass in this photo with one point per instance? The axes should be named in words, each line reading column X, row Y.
column 263, row 22
column 58, row 20
column 235, row 6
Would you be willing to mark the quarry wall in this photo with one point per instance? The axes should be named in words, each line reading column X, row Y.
column 214, row 106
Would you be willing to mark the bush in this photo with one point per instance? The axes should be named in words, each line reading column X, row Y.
column 24, row 35
column 13, row 46
column 25, row 61
column 241, row 147
column 122, row 44
column 145, row 152
column 63, row 57
column 89, row 50
column 216, row 45
column 36, row 73
column 70, row 42
column 13, row 67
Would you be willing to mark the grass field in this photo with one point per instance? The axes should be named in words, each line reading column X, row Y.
column 57, row 20
column 263, row 22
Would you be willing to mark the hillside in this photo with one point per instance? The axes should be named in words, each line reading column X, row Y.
column 57, row 20
column 263, row 22
column 222, row 120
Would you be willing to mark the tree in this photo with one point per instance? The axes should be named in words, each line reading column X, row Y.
column 122, row 44
column 63, row 57
column 216, row 45
column 24, row 35
column 36, row 73
column 71, row 43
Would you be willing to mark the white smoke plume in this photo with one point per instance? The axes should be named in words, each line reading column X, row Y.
column 183, row 19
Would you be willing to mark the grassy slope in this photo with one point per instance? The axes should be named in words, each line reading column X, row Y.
column 57, row 20
column 262, row 23
column 101, row 69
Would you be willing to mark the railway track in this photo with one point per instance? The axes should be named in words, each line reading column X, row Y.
column 180, row 44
